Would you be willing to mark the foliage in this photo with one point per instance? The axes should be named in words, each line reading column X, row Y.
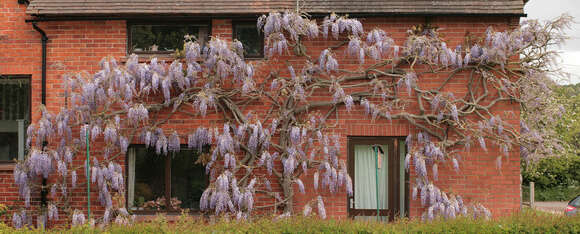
column 552, row 173
column 557, row 193
column 3, row 210
column 569, row 125
column 131, row 102
column 526, row 222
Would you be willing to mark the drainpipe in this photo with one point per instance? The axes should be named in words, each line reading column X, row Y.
column 44, row 40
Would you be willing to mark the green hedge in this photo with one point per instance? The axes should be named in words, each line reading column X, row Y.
column 553, row 172
column 559, row 193
column 525, row 222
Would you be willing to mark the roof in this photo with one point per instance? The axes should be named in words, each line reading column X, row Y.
column 223, row 7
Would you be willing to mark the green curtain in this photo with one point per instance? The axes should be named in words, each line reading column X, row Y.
column 364, row 186
column 402, row 154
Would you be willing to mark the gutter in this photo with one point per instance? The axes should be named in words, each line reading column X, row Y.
column 105, row 17
column 44, row 40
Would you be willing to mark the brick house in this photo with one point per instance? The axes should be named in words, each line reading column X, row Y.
column 40, row 40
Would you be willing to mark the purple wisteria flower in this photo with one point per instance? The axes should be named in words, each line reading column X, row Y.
column 78, row 218
column 315, row 180
column 435, row 172
column 321, row 209
column 110, row 134
column 52, row 212
column 137, row 114
column 455, row 164
column 173, row 144
column 73, row 176
column 482, row 143
column 295, row 135
column 349, row 186
column 17, row 220
column 300, row 185
column 307, row 210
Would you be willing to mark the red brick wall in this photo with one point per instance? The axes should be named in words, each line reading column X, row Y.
column 19, row 54
column 79, row 46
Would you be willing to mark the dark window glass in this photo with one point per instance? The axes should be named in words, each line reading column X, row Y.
column 252, row 40
column 575, row 202
column 153, row 174
column 188, row 179
column 162, row 38
column 149, row 178
column 8, row 146
column 14, row 116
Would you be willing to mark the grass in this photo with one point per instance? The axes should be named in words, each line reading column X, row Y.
column 527, row 221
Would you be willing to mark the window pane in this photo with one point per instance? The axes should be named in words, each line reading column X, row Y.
column 250, row 38
column 8, row 146
column 160, row 38
column 575, row 202
column 149, row 180
column 14, row 107
column 188, row 179
column 14, row 98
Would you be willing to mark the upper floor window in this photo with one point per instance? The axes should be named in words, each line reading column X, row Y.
column 252, row 40
column 14, row 116
column 163, row 37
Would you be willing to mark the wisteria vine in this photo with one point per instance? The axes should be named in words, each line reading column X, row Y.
column 129, row 103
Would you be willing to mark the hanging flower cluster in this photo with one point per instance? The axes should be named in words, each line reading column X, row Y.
column 276, row 25
column 341, row 24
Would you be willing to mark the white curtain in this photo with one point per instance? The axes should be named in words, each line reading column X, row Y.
column 364, row 179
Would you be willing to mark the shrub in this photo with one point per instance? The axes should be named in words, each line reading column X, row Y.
column 554, row 171
column 527, row 221
column 558, row 193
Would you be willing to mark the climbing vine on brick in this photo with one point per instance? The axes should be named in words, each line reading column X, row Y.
column 129, row 103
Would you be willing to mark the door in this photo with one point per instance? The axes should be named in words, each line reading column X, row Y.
column 379, row 179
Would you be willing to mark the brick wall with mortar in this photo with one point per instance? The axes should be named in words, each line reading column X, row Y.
column 79, row 46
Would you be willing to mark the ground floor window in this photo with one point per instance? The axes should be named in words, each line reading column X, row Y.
column 14, row 116
column 154, row 179
column 376, row 166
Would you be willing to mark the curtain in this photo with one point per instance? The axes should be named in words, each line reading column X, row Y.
column 131, row 182
column 402, row 154
column 364, row 179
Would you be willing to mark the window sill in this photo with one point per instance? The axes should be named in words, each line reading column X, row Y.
column 170, row 216
column 7, row 166
column 254, row 58
column 144, row 58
